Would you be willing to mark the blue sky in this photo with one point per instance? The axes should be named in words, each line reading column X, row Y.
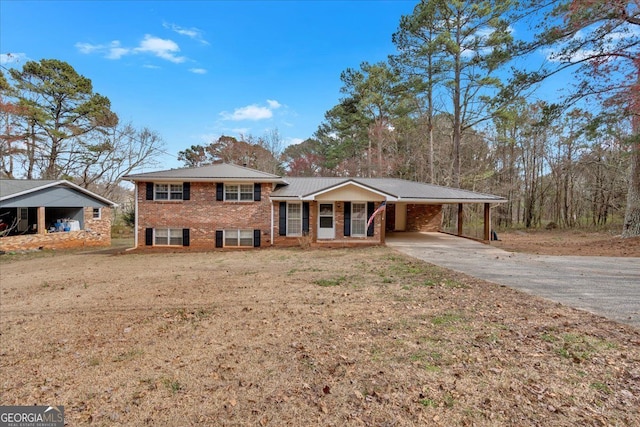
column 195, row 70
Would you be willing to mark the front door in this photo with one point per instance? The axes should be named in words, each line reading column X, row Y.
column 326, row 223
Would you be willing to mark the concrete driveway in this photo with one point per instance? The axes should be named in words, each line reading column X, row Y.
column 606, row 286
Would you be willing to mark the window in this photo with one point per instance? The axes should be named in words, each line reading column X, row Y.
column 238, row 238
column 168, row 192
column 96, row 213
column 359, row 219
column 238, row 192
column 167, row 237
column 294, row 219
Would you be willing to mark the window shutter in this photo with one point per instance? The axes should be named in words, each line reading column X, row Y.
column 347, row 218
column 370, row 210
column 186, row 190
column 149, row 190
column 185, row 237
column 282, row 220
column 257, row 192
column 256, row 238
column 218, row 238
column 219, row 191
column 305, row 217
column 148, row 236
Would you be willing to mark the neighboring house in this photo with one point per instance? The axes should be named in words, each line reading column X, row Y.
column 52, row 214
column 229, row 206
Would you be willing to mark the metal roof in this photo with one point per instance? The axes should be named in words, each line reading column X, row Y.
column 13, row 188
column 214, row 172
column 307, row 188
column 396, row 189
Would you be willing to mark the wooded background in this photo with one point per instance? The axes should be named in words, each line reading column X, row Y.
column 454, row 105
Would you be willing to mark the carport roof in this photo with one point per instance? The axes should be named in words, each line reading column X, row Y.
column 397, row 190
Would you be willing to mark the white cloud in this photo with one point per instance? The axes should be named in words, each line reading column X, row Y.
column 293, row 141
column 193, row 33
column 115, row 51
column 198, row 70
column 273, row 104
column 252, row 112
column 162, row 48
column 12, row 58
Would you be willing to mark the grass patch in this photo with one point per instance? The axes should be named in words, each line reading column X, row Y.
column 446, row 319
column 336, row 281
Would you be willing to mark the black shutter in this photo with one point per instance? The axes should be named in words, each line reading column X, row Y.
column 186, row 192
column 305, row 218
column 218, row 238
column 149, row 190
column 148, row 236
column 257, row 189
column 347, row 218
column 256, row 238
column 282, row 220
column 219, row 191
column 185, row 237
column 370, row 210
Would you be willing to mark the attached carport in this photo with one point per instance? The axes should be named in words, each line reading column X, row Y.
column 418, row 206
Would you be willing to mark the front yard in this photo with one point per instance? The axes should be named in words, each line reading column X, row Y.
column 302, row 337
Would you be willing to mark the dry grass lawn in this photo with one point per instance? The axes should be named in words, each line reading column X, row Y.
column 362, row 337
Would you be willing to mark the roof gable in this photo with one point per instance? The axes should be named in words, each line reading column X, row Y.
column 14, row 189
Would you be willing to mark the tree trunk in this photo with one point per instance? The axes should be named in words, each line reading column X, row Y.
column 631, row 226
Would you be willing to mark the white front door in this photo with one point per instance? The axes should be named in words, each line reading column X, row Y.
column 326, row 223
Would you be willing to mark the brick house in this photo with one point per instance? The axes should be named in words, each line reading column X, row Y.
column 52, row 214
column 230, row 206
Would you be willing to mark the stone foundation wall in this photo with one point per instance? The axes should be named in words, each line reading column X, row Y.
column 64, row 240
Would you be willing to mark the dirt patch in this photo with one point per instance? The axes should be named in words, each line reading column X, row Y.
column 558, row 242
column 294, row 337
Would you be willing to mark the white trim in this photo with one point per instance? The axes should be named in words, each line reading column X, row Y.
column 168, row 184
column 312, row 196
column 93, row 213
column 239, row 185
column 168, row 229
column 365, row 219
column 300, row 233
column 238, row 230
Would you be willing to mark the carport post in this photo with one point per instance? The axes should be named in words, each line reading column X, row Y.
column 487, row 221
column 460, row 219
column 41, row 226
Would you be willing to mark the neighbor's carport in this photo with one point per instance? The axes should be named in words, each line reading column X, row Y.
column 603, row 285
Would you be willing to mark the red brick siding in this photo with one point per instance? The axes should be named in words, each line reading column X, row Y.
column 203, row 215
column 424, row 217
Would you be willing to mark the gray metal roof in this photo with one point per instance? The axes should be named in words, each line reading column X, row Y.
column 395, row 189
column 16, row 188
column 214, row 172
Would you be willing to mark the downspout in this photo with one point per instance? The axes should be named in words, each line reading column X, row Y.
column 135, row 216
column 271, row 222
